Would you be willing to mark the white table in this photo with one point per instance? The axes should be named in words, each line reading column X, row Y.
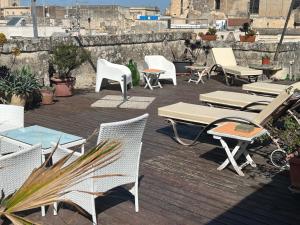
column 151, row 77
column 239, row 150
column 197, row 73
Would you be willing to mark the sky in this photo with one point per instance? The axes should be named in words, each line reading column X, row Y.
column 162, row 4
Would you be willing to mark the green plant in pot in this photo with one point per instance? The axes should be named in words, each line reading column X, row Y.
column 65, row 58
column 19, row 85
column 134, row 72
column 250, row 34
column 287, row 130
column 210, row 34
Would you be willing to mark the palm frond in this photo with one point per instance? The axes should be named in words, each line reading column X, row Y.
column 46, row 185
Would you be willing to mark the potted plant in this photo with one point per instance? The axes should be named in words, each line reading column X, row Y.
column 65, row 58
column 210, row 35
column 265, row 59
column 250, row 34
column 287, row 130
column 19, row 85
column 47, row 95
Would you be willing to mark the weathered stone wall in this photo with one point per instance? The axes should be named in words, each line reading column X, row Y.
column 114, row 48
column 121, row 48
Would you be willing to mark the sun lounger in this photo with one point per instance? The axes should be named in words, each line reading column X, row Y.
column 225, row 61
column 239, row 100
column 265, row 88
column 236, row 100
column 210, row 116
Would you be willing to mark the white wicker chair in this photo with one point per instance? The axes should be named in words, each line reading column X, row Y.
column 130, row 134
column 11, row 117
column 16, row 167
column 161, row 63
column 112, row 71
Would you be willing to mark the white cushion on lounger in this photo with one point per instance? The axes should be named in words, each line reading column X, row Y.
column 267, row 88
column 199, row 113
column 242, row 71
column 234, row 99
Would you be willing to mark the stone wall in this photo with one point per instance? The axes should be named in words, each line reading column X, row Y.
column 114, row 48
column 121, row 48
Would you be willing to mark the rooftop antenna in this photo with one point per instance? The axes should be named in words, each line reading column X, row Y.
column 284, row 30
column 34, row 20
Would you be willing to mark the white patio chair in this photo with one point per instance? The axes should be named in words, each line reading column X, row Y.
column 111, row 71
column 11, row 117
column 16, row 167
column 161, row 63
column 130, row 133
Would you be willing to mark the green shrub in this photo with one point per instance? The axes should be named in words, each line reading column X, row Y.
column 67, row 57
column 19, row 82
column 134, row 72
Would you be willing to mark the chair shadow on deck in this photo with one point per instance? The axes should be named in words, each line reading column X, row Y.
column 268, row 203
column 109, row 200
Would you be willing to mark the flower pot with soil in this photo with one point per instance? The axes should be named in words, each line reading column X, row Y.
column 65, row 58
column 265, row 60
column 295, row 173
column 47, row 94
column 210, row 35
column 250, row 34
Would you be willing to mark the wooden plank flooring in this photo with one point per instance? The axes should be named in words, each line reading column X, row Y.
column 178, row 185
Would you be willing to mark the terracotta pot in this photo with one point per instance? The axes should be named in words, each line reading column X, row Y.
column 64, row 87
column 47, row 97
column 247, row 38
column 208, row 37
column 19, row 100
column 295, row 172
column 265, row 61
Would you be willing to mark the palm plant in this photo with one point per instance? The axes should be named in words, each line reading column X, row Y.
column 47, row 185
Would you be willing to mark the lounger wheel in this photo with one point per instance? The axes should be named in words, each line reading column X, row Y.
column 278, row 159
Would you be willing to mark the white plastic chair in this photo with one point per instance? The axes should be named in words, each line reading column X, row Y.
column 11, row 117
column 17, row 166
column 161, row 63
column 111, row 71
column 130, row 133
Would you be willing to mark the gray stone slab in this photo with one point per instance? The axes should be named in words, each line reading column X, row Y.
column 116, row 101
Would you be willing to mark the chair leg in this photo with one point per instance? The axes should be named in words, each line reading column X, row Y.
column 135, row 192
column 94, row 214
column 174, row 81
column 43, row 209
column 55, row 209
column 122, row 87
column 98, row 84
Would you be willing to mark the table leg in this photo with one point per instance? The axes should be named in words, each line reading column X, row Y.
column 148, row 82
column 233, row 155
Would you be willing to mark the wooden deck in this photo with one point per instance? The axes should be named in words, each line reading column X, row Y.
column 178, row 185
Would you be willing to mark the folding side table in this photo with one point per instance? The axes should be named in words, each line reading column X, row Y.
column 151, row 76
column 227, row 130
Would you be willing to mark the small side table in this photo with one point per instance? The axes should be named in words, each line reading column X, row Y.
column 227, row 130
column 151, row 77
column 266, row 68
column 197, row 73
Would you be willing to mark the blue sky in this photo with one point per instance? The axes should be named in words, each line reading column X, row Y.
column 162, row 4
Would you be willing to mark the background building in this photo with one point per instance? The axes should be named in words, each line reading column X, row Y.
column 266, row 13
